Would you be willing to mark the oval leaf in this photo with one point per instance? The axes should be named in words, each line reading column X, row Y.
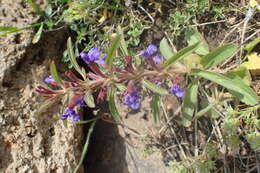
column 237, row 87
column 165, row 49
column 249, row 47
column 37, row 36
column 112, row 49
column 193, row 36
column 156, row 104
column 54, row 74
column 72, row 58
column 112, row 105
column 218, row 55
column 190, row 103
column 180, row 54
column 154, row 87
column 89, row 99
column 123, row 44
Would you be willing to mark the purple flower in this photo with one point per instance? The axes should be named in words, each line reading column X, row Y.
column 158, row 83
column 175, row 90
column 75, row 117
column 132, row 100
column 92, row 56
column 49, row 79
column 151, row 49
column 81, row 102
column 157, row 59
column 101, row 60
column 149, row 52
column 70, row 113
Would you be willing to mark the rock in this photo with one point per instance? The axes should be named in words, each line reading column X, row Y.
column 123, row 148
column 29, row 142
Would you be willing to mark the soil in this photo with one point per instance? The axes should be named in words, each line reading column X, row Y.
column 29, row 142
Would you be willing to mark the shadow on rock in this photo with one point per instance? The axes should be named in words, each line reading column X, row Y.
column 107, row 150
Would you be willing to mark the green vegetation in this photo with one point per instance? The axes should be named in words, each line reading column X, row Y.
column 221, row 103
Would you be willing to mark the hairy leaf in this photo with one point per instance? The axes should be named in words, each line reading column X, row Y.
column 165, row 49
column 190, row 103
column 193, row 36
column 37, row 36
column 112, row 105
column 73, row 58
column 112, row 49
column 123, row 44
column 89, row 99
column 156, row 104
column 249, row 47
column 218, row 55
column 180, row 54
column 238, row 88
column 55, row 74
column 154, row 87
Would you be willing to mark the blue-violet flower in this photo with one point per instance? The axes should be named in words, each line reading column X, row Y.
column 92, row 56
column 70, row 113
column 132, row 100
column 80, row 102
column 177, row 91
column 149, row 52
column 49, row 79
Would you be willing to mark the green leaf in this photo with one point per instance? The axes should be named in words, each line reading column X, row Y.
column 54, row 73
column 73, row 58
column 192, row 61
column 48, row 10
column 237, row 87
column 218, row 55
column 180, row 54
column 89, row 99
column 193, row 36
column 243, row 73
column 121, row 87
column 8, row 28
column 165, row 49
column 154, row 87
column 35, row 7
column 37, row 36
column 111, row 52
column 123, row 44
column 190, row 103
column 249, row 47
column 156, row 104
column 85, row 149
column 112, row 105
column 205, row 110
column 254, row 140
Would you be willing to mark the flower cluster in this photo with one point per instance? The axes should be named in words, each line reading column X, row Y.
column 177, row 91
column 150, row 52
column 93, row 56
column 132, row 99
column 100, row 81
column 70, row 113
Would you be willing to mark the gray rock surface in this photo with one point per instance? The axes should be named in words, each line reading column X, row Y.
column 31, row 143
